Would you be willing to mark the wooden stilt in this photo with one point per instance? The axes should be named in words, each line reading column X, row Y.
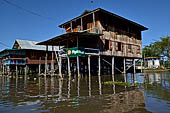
column 113, row 65
column 99, row 73
column 16, row 70
column 39, row 66
column 124, row 65
column 89, row 65
column 78, row 66
column 25, row 70
column 3, row 70
column 46, row 62
column 60, row 64
column 69, row 72
column 134, row 65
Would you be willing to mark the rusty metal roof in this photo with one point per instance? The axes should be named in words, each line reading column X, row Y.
column 26, row 44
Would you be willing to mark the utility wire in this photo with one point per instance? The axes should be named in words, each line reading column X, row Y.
column 28, row 11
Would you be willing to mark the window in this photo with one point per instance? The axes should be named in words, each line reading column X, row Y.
column 106, row 44
column 119, row 46
column 129, row 48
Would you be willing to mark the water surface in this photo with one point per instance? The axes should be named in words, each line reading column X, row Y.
column 86, row 94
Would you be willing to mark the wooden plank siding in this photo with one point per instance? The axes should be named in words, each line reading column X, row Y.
column 121, row 37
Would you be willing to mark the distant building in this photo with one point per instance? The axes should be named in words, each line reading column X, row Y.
column 24, row 54
column 153, row 62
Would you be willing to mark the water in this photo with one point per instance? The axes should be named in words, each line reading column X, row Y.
column 85, row 95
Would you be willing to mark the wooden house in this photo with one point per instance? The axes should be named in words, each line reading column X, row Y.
column 108, row 37
column 25, row 56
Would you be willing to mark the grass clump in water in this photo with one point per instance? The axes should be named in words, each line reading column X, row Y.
column 117, row 83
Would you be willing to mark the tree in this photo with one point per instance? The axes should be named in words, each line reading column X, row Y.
column 158, row 48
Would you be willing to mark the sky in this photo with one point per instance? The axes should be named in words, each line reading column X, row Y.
column 38, row 20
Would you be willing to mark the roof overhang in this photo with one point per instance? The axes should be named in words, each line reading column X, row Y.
column 68, row 36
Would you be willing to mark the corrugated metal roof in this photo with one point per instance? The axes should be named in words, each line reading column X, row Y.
column 26, row 44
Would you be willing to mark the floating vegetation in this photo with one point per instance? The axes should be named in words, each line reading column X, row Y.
column 117, row 83
column 125, row 83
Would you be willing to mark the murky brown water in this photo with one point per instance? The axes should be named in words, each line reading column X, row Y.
column 85, row 95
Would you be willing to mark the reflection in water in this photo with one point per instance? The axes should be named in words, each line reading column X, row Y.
column 78, row 86
column 69, row 87
column 89, row 85
column 18, row 94
column 100, row 85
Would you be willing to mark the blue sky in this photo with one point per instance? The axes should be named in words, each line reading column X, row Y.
column 19, row 24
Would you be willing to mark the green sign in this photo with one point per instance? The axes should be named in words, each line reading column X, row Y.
column 73, row 52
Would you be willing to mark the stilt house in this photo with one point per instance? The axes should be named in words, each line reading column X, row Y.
column 24, row 56
column 116, row 41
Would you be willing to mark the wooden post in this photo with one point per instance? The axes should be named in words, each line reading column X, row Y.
column 52, row 62
column 78, row 66
column 25, row 70
column 81, row 24
column 113, row 65
column 134, row 65
column 124, row 65
column 60, row 64
column 46, row 62
column 71, row 26
column 89, row 65
column 40, row 66
column 16, row 70
column 3, row 69
column 99, row 73
column 94, row 24
column 69, row 72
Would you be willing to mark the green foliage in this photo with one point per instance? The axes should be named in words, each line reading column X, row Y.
column 158, row 48
column 125, row 83
column 116, row 83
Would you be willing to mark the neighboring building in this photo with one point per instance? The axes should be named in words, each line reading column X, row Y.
column 110, row 34
column 153, row 62
column 24, row 54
